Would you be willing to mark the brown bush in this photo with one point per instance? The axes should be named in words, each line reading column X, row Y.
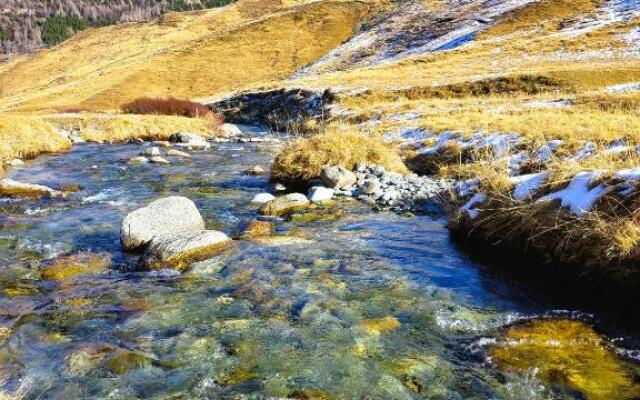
column 168, row 106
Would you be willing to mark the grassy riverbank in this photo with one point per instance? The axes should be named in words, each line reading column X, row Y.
column 26, row 136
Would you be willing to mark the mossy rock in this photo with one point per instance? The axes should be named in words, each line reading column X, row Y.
column 21, row 290
column 311, row 394
column 315, row 214
column 380, row 325
column 69, row 267
column 568, row 354
column 257, row 228
column 122, row 361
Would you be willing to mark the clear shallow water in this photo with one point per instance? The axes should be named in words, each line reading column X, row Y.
column 365, row 306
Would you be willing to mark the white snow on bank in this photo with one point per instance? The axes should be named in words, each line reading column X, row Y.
column 578, row 196
column 545, row 152
column 467, row 187
column 409, row 135
column 499, row 143
column 470, row 207
column 587, row 150
column 623, row 88
column 410, row 116
column 617, row 147
column 632, row 174
column 542, row 104
column 527, row 185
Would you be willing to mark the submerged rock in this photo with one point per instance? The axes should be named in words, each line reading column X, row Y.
column 337, row 177
column 257, row 228
column 178, row 153
column 380, row 325
column 11, row 188
column 169, row 215
column 77, row 264
column 285, row 205
column 138, row 160
column 124, row 360
column 262, row 198
column 159, row 160
column 178, row 250
column 567, row 353
column 320, row 193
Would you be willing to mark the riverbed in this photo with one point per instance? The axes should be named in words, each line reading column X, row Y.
column 343, row 303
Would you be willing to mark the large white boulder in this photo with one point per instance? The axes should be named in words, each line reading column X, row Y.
column 179, row 250
column 169, row 215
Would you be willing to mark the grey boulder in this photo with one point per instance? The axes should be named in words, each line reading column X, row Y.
column 169, row 215
column 337, row 177
column 178, row 250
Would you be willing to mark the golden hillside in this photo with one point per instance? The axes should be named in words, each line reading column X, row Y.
column 182, row 54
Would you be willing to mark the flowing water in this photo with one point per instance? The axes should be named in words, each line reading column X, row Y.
column 345, row 304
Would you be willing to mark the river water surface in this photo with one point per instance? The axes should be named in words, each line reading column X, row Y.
column 345, row 304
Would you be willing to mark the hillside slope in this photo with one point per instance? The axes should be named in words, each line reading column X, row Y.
column 182, row 54
column 27, row 25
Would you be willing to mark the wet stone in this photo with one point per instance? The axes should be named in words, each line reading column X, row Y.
column 284, row 205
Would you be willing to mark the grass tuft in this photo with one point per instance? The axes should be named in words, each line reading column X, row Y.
column 302, row 160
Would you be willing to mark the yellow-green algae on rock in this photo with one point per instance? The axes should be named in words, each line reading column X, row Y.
column 77, row 264
column 567, row 353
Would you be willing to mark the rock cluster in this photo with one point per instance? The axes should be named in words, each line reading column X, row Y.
column 396, row 191
column 172, row 234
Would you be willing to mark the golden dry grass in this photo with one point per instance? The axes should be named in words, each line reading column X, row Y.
column 302, row 160
column 23, row 136
column 187, row 55
column 546, row 14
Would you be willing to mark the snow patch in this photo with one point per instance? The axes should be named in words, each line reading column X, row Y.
column 578, row 196
column 623, row 88
column 470, row 207
column 527, row 185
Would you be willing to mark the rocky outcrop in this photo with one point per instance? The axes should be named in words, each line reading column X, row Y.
column 170, row 215
column 278, row 109
column 178, row 250
column 11, row 188
column 285, row 205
